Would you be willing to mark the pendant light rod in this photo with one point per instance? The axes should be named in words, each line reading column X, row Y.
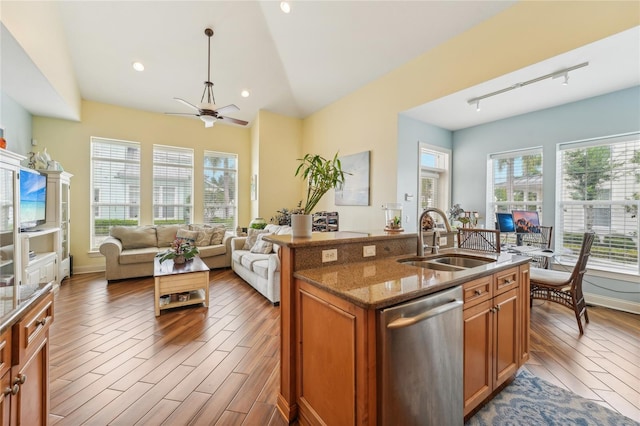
column 562, row 73
column 208, row 85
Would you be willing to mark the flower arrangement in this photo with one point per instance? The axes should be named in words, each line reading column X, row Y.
column 181, row 251
column 283, row 216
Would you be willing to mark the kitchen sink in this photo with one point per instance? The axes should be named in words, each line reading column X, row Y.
column 446, row 262
column 464, row 262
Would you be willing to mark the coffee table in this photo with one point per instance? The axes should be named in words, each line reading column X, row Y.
column 190, row 278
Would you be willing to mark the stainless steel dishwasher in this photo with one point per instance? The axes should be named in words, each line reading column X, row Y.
column 420, row 346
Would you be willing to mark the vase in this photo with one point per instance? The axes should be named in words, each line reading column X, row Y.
column 179, row 260
column 258, row 223
column 301, row 225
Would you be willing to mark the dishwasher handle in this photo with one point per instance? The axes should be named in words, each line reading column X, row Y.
column 406, row 322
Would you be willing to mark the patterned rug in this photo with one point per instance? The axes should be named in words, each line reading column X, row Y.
column 530, row 400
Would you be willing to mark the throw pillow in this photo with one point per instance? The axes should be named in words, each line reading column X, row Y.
column 252, row 236
column 167, row 234
column 187, row 236
column 204, row 237
column 261, row 246
column 218, row 235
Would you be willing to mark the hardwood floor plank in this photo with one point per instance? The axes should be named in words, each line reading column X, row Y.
column 231, row 418
column 207, row 348
column 172, row 363
column 84, row 412
column 224, row 369
column 218, row 402
column 617, row 403
column 149, row 365
column 252, row 387
column 158, row 413
column 631, row 394
column 106, row 414
column 188, row 409
column 260, row 414
column 194, row 379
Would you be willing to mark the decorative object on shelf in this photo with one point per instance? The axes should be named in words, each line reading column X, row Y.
column 258, row 223
column 180, row 252
column 393, row 217
column 326, row 222
column 355, row 190
column 3, row 142
column 39, row 160
column 457, row 214
column 321, row 175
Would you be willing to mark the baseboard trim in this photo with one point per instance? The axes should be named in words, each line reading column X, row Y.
column 87, row 269
column 610, row 302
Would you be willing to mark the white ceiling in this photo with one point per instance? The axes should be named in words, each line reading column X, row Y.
column 293, row 64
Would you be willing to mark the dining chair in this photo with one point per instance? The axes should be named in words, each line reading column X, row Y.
column 542, row 240
column 562, row 287
column 487, row 240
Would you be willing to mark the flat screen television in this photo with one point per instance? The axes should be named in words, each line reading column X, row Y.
column 504, row 222
column 526, row 222
column 33, row 199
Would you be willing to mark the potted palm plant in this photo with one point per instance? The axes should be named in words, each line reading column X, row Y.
column 180, row 252
column 321, row 175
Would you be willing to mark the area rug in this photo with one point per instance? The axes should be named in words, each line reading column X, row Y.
column 530, row 400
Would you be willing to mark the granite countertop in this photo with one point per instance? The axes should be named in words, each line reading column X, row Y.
column 29, row 295
column 385, row 282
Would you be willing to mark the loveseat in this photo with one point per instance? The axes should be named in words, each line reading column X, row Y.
column 129, row 251
column 256, row 261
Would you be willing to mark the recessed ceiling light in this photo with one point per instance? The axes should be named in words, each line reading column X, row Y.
column 285, row 6
column 138, row 66
column 245, row 93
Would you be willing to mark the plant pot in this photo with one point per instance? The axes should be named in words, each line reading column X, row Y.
column 179, row 260
column 301, row 225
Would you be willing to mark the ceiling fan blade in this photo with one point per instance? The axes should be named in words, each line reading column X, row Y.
column 233, row 120
column 227, row 108
column 187, row 104
column 183, row 113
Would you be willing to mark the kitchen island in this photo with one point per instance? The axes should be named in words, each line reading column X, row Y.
column 329, row 371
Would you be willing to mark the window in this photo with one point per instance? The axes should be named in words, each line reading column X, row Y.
column 434, row 178
column 220, row 188
column 515, row 182
column 598, row 188
column 115, row 167
column 172, row 185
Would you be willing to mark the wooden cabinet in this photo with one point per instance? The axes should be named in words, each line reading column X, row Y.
column 40, row 256
column 8, row 390
column 58, row 216
column 336, row 359
column 30, row 369
column 495, row 327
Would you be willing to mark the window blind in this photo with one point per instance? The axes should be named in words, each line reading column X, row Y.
column 172, row 184
column 115, row 183
column 220, row 189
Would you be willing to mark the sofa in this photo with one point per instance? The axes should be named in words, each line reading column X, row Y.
column 256, row 261
column 129, row 251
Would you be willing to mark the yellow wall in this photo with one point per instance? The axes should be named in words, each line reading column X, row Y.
column 69, row 143
column 524, row 34
column 278, row 151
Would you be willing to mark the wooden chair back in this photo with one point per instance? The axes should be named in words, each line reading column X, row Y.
column 487, row 240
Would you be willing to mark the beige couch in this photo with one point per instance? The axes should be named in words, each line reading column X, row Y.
column 129, row 251
column 259, row 268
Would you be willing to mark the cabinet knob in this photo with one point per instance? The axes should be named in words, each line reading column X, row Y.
column 19, row 380
column 492, row 310
column 12, row 390
column 497, row 307
column 42, row 322
column 478, row 292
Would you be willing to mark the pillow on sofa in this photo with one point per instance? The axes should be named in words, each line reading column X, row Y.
column 204, row 236
column 218, row 235
column 261, row 246
column 135, row 236
column 211, row 234
column 252, row 236
column 187, row 236
column 167, row 234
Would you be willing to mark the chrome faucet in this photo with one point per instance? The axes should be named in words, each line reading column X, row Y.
column 436, row 234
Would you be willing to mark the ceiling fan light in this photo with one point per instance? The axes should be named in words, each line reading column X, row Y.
column 285, row 6
column 208, row 120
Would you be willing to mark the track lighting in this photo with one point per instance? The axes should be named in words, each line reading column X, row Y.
column 562, row 73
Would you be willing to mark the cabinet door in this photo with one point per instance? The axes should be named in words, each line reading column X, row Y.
column 48, row 272
column 525, row 314
column 5, row 399
column 506, row 335
column 30, row 406
column 478, row 354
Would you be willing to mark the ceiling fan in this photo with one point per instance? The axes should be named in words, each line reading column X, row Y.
column 208, row 112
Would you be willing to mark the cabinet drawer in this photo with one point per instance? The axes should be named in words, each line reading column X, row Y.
column 5, row 352
column 32, row 329
column 506, row 280
column 477, row 291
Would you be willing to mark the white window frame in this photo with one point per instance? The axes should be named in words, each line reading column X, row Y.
column 440, row 173
column 494, row 206
column 215, row 212
column 619, row 193
column 173, row 176
column 117, row 211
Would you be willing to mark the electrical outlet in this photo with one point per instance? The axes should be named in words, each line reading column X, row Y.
column 368, row 251
column 329, row 255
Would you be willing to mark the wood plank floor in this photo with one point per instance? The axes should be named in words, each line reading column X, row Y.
column 113, row 362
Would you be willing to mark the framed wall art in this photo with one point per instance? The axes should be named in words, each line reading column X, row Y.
column 355, row 191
